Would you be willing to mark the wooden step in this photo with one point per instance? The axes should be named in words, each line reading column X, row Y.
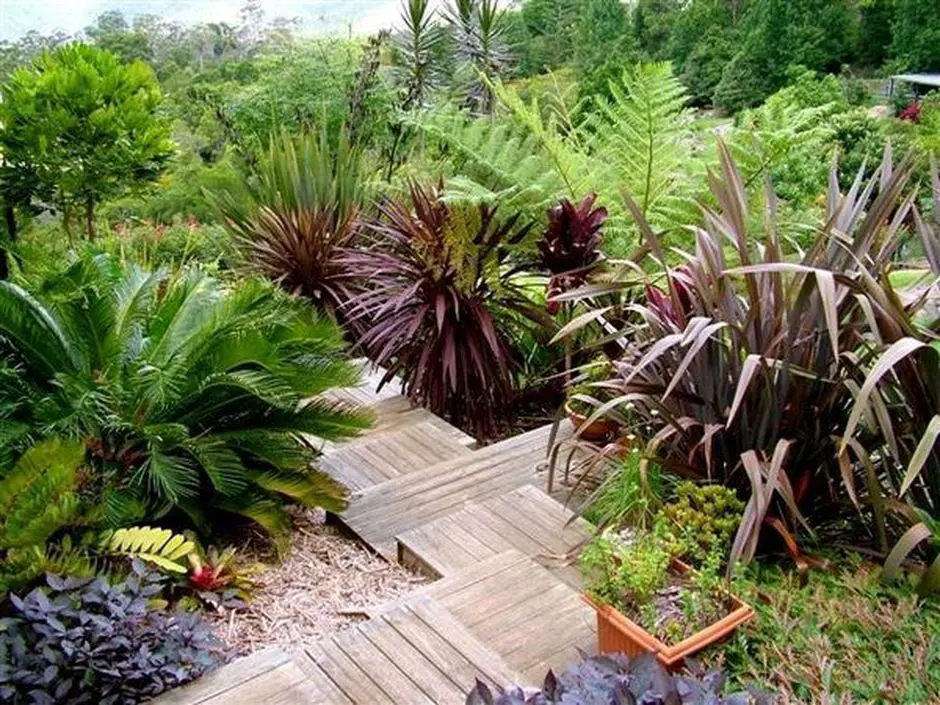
column 379, row 457
column 399, row 411
column 525, row 519
column 266, row 677
column 519, row 610
column 416, row 654
column 385, row 510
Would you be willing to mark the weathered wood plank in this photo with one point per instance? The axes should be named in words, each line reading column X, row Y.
column 282, row 685
column 226, row 678
column 412, row 662
column 383, row 672
column 346, row 674
column 488, row 663
column 327, row 692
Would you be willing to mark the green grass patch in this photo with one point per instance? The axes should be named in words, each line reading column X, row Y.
column 843, row 636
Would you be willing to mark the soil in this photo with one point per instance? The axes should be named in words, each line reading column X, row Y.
column 325, row 583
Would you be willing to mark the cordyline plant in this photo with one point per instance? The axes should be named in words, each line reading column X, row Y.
column 295, row 218
column 443, row 293
column 571, row 247
column 751, row 367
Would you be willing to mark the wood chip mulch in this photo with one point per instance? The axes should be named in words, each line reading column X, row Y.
column 323, row 585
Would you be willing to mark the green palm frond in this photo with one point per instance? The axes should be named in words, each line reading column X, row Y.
column 168, row 477
column 310, row 487
column 221, row 463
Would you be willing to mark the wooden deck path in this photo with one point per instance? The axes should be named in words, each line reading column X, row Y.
column 506, row 606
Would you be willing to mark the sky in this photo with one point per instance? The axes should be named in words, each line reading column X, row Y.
column 319, row 16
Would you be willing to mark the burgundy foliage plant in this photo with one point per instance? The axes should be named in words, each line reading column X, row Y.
column 444, row 296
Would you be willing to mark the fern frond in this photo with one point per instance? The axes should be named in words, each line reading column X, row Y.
column 160, row 547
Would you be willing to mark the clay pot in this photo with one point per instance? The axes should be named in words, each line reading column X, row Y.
column 598, row 431
column 617, row 634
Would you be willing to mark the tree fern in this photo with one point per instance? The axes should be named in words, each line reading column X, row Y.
column 491, row 162
column 644, row 132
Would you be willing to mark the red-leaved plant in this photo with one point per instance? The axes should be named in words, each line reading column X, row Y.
column 444, row 293
column 570, row 248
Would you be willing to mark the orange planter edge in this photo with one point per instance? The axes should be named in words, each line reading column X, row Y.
column 618, row 634
column 598, row 430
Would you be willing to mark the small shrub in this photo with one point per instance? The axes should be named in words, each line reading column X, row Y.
column 702, row 520
column 613, row 679
column 85, row 640
column 632, row 573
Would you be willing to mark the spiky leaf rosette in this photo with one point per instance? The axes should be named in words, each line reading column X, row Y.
column 444, row 293
column 293, row 219
column 190, row 398
column 570, row 248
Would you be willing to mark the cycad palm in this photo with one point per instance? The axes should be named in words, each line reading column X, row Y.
column 190, row 397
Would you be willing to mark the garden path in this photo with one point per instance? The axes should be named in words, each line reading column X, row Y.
column 506, row 606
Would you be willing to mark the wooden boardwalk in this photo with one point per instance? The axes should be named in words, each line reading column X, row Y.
column 506, row 606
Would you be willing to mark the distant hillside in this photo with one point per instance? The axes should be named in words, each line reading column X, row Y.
column 17, row 17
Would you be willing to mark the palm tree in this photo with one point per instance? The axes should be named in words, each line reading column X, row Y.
column 192, row 400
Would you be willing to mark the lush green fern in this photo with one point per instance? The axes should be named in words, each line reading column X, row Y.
column 640, row 141
column 161, row 547
column 644, row 132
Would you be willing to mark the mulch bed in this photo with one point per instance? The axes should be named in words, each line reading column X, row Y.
column 323, row 585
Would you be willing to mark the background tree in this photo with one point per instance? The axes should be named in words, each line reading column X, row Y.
column 917, row 34
column 112, row 33
column 781, row 34
column 84, row 125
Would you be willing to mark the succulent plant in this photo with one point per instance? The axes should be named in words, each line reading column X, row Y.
column 613, row 679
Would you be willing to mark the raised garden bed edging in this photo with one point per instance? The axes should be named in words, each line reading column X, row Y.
column 619, row 634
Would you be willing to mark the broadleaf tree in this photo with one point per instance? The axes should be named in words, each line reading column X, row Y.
column 84, row 126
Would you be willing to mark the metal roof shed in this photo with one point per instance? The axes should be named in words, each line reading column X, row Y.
column 920, row 82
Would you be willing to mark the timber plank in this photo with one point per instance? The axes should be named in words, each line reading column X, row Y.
column 412, row 662
column 281, row 684
column 490, row 666
column 346, row 674
column 226, row 678
column 383, row 672
column 328, row 692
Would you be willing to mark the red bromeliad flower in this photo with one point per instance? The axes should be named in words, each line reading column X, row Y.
column 570, row 247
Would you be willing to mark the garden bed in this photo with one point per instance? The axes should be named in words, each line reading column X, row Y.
column 326, row 582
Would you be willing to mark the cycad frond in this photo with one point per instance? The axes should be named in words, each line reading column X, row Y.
column 201, row 385
column 161, row 547
column 34, row 333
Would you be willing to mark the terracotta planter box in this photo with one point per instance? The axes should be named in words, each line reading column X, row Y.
column 594, row 432
column 617, row 634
